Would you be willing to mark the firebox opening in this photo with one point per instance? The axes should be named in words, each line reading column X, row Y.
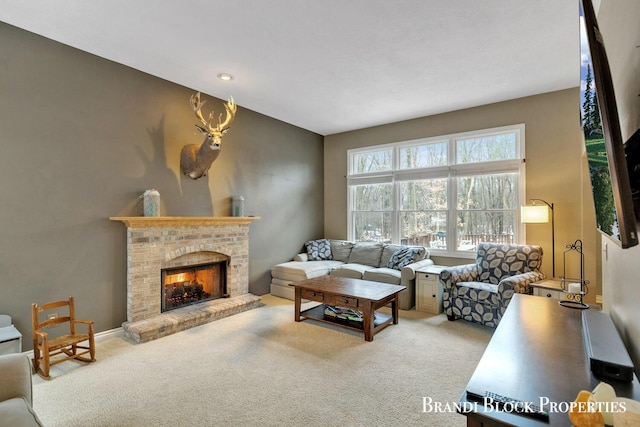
column 193, row 284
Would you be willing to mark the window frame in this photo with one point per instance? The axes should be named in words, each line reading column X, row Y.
column 450, row 172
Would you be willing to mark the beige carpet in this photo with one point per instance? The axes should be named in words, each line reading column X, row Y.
column 260, row 368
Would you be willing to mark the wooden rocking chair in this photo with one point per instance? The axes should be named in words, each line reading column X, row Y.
column 45, row 347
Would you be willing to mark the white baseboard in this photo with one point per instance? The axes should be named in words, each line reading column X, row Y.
column 111, row 333
column 100, row 336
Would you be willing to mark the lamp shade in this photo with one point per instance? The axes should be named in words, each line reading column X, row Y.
column 534, row 214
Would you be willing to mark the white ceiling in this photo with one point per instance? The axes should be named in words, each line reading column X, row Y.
column 329, row 65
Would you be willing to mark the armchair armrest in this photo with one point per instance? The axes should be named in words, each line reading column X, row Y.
column 40, row 336
column 89, row 324
column 15, row 371
column 460, row 273
column 518, row 284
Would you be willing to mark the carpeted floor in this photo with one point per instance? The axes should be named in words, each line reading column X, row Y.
column 260, row 368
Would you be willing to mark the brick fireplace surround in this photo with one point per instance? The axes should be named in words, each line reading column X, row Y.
column 154, row 243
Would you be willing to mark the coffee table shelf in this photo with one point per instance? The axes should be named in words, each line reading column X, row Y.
column 317, row 313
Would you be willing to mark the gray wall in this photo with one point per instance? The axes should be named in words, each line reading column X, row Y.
column 618, row 22
column 81, row 138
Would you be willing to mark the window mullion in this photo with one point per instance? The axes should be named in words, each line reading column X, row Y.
column 395, row 194
column 452, row 198
column 395, row 216
column 452, row 191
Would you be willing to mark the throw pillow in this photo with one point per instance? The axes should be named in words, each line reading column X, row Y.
column 404, row 256
column 319, row 250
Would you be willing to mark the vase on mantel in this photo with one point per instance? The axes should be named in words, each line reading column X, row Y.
column 237, row 206
column 151, row 203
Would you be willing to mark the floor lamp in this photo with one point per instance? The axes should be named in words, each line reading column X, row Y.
column 537, row 214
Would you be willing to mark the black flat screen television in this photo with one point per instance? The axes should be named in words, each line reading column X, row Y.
column 632, row 150
column 605, row 147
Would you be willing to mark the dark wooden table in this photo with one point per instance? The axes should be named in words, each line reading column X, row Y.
column 362, row 295
column 537, row 351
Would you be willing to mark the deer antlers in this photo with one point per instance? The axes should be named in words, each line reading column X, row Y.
column 223, row 126
column 195, row 160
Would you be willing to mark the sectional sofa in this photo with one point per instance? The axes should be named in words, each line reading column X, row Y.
column 378, row 262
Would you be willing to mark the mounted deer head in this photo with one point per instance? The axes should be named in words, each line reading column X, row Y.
column 195, row 160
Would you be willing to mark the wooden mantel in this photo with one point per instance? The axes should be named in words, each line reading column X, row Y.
column 182, row 221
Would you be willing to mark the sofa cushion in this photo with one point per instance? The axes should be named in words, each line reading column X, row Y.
column 341, row 249
column 478, row 291
column 405, row 256
column 354, row 271
column 366, row 253
column 294, row 271
column 17, row 412
column 384, row 275
column 319, row 250
column 481, row 286
column 387, row 253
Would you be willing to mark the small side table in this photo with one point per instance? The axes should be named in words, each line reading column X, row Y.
column 10, row 337
column 548, row 288
column 429, row 289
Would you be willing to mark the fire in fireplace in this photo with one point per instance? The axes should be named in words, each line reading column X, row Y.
column 193, row 284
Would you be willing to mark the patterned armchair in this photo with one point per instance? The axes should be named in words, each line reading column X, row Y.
column 482, row 291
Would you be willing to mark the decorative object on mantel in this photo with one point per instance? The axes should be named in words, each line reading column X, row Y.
column 575, row 288
column 151, row 203
column 538, row 214
column 195, row 160
column 237, row 206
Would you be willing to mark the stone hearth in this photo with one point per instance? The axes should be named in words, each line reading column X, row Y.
column 154, row 243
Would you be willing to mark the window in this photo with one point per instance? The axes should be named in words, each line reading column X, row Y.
column 447, row 193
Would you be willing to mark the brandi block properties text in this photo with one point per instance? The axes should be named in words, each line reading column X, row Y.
column 487, row 404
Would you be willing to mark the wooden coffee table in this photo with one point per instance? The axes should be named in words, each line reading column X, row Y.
column 362, row 295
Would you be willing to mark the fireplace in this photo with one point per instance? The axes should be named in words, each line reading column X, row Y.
column 194, row 284
column 159, row 248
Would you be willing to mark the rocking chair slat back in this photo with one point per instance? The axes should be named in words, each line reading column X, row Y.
column 46, row 317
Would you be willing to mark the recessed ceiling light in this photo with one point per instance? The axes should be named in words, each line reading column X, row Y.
column 225, row 77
